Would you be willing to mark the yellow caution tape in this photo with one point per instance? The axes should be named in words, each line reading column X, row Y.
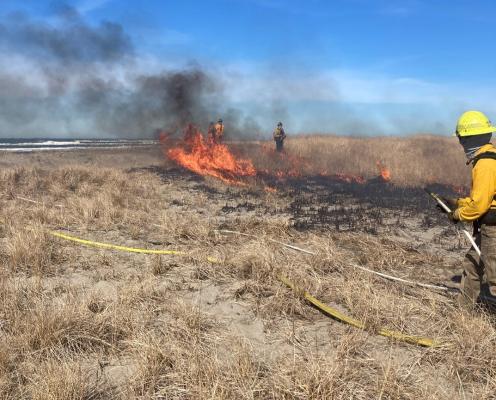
column 421, row 341
column 120, row 248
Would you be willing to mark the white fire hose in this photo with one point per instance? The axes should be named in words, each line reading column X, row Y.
column 382, row 275
column 467, row 233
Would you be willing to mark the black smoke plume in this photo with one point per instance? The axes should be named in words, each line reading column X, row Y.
column 165, row 101
column 76, row 79
column 69, row 41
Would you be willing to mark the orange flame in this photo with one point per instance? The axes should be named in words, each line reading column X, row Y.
column 208, row 158
column 205, row 157
column 350, row 178
column 384, row 172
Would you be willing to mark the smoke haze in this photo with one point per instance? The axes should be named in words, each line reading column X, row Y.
column 68, row 78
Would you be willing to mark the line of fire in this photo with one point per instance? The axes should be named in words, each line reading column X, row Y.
column 200, row 154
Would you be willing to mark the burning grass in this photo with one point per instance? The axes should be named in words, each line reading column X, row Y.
column 79, row 322
column 208, row 158
column 407, row 162
column 195, row 153
column 412, row 161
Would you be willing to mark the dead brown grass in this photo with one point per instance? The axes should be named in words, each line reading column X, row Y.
column 412, row 160
column 85, row 323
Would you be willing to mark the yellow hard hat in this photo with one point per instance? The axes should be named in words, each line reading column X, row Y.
column 473, row 123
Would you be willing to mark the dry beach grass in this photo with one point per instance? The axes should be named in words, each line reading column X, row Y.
column 413, row 160
column 84, row 323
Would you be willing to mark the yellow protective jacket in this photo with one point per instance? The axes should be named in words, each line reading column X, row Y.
column 279, row 134
column 219, row 129
column 483, row 192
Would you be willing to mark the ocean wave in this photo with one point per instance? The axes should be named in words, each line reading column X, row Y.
column 23, row 146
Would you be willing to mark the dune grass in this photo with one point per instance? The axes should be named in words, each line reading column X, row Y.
column 84, row 323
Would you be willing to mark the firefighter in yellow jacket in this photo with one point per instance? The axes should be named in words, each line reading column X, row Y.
column 219, row 132
column 279, row 136
column 474, row 132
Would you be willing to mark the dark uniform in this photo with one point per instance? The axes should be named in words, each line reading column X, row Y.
column 279, row 136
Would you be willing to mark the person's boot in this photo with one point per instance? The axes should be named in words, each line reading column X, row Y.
column 487, row 298
column 469, row 292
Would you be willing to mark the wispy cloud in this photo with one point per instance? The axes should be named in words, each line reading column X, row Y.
column 251, row 82
column 403, row 8
column 310, row 8
column 397, row 10
column 87, row 6
column 352, row 101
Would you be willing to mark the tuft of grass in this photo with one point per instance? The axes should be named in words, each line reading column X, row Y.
column 32, row 250
column 69, row 379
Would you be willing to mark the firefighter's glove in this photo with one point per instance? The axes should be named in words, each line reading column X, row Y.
column 453, row 217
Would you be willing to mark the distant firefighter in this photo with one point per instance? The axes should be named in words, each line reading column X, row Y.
column 219, row 131
column 211, row 133
column 279, row 136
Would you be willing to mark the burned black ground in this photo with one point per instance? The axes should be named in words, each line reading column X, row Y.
column 322, row 202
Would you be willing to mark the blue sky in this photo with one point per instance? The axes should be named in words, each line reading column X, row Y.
column 346, row 66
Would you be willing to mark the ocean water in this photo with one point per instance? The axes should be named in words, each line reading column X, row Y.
column 29, row 145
